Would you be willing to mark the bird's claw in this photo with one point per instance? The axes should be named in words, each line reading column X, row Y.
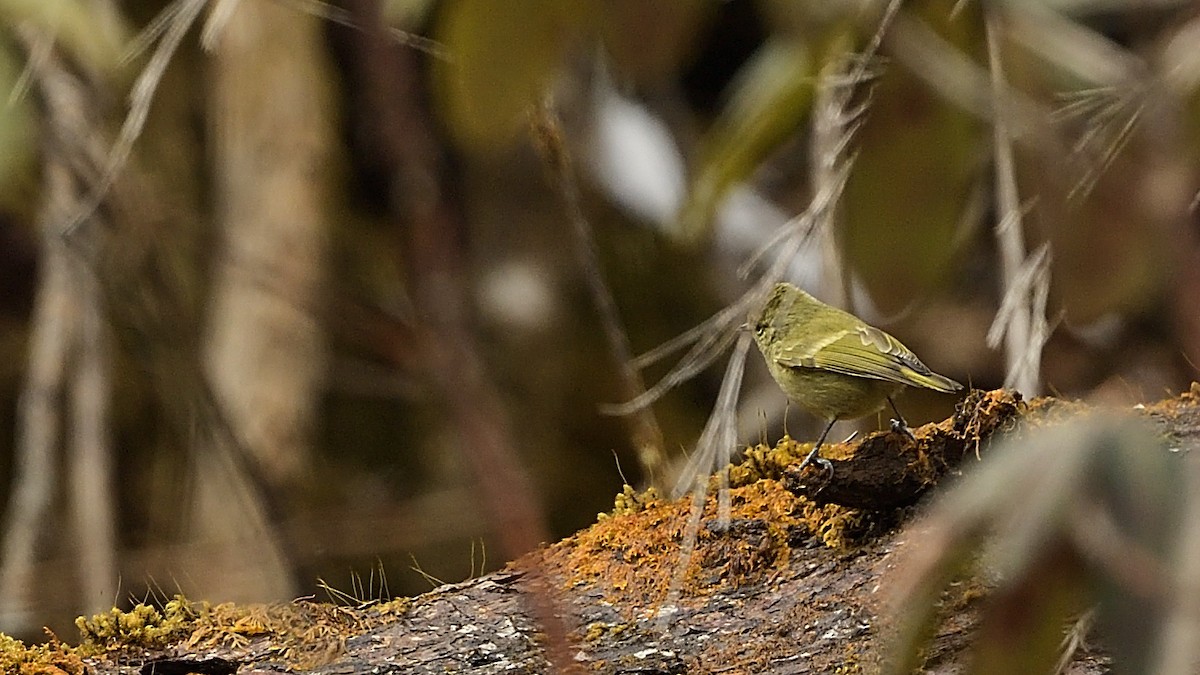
column 796, row 479
column 901, row 427
column 827, row 465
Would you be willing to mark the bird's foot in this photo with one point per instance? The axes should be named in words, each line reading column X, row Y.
column 813, row 458
column 798, row 480
column 901, row 427
column 810, row 458
column 827, row 465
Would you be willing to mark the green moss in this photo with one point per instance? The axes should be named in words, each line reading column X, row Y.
column 300, row 634
column 53, row 658
column 631, row 501
column 142, row 626
column 395, row 607
column 763, row 462
column 601, row 629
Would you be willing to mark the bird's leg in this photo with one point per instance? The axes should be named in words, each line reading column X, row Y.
column 812, row 455
column 899, row 425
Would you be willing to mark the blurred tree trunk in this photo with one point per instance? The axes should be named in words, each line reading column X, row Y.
column 264, row 352
column 274, row 140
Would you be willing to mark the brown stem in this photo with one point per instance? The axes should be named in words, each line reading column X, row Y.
column 420, row 199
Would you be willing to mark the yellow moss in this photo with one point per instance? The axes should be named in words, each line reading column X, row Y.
column 594, row 631
column 635, row 553
column 631, row 501
column 635, row 547
column 303, row 634
column 600, row 629
column 838, row 527
column 396, row 607
column 142, row 626
column 851, row 666
column 763, row 462
column 1171, row 408
column 53, row 658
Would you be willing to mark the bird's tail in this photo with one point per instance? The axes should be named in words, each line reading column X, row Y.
column 932, row 380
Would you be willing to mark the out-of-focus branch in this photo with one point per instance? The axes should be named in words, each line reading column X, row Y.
column 421, row 201
column 93, row 503
column 643, row 426
column 132, row 273
column 68, row 362
column 35, row 473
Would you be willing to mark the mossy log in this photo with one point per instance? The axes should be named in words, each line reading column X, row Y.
column 797, row 583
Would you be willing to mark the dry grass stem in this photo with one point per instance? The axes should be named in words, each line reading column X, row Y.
column 177, row 19
column 1017, row 323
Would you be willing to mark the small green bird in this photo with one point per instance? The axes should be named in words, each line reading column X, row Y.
column 832, row 363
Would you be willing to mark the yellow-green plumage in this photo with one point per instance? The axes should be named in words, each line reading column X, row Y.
column 831, row 362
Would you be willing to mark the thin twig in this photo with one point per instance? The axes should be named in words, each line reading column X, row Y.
column 643, row 426
column 712, row 452
column 342, row 17
column 1074, row 640
column 719, row 434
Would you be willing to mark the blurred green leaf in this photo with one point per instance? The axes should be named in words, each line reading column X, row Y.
column 92, row 34
column 18, row 141
column 650, row 42
column 919, row 159
column 501, row 55
column 770, row 100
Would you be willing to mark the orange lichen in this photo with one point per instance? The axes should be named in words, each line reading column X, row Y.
column 636, row 554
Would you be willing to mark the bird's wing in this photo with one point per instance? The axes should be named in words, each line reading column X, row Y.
column 865, row 351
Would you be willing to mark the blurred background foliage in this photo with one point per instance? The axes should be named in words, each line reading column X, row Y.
column 689, row 125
